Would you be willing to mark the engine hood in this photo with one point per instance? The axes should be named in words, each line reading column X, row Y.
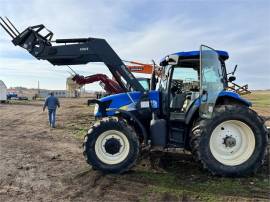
column 127, row 101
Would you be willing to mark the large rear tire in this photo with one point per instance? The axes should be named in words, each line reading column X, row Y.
column 232, row 143
column 111, row 146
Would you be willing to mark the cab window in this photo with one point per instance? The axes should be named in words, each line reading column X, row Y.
column 185, row 74
column 144, row 83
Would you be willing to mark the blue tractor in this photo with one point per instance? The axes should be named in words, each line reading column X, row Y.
column 188, row 106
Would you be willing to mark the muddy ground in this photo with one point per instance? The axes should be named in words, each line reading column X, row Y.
column 42, row 164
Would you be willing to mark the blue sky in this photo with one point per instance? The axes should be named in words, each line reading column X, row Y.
column 141, row 30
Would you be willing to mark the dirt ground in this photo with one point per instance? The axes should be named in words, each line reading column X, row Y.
column 42, row 164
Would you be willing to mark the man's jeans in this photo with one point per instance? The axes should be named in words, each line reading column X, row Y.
column 52, row 113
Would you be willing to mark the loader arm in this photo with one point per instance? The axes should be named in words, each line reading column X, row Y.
column 110, row 86
column 71, row 51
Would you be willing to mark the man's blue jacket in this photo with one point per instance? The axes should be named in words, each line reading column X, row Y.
column 51, row 102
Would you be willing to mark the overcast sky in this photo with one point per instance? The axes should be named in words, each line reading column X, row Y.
column 141, row 30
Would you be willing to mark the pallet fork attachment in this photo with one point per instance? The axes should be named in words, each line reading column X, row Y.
column 71, row 51
column 9, row 27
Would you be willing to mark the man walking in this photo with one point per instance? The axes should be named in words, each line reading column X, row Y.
column 51, row 103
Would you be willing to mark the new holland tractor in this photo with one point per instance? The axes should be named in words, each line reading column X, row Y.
column 188, row 106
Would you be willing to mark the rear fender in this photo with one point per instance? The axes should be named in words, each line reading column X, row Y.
column 225, row 97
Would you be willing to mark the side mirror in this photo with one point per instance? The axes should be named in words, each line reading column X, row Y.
column 232, row 78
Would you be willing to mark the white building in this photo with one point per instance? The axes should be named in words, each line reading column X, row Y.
column 57, row 93
column 3, row 91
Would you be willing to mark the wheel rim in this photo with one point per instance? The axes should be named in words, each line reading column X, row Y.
column 112, row 147
column 232, row 142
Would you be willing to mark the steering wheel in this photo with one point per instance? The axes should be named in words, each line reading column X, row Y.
column 177, row 86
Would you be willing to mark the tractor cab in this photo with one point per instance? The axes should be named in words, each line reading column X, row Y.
column 182, row 80
column 189, row 85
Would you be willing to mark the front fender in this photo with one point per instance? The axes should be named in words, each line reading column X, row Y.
column 129, row 115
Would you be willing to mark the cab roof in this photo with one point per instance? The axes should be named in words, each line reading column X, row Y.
column 196, row 54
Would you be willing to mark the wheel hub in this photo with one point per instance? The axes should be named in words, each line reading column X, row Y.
column 112, row 146
column 229, row 141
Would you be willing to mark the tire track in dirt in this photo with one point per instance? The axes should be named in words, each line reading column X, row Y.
column 37, row 163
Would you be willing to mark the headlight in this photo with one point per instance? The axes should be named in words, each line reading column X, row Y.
column 96, row 109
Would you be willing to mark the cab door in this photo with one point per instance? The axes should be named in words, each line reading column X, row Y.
column 211, row 80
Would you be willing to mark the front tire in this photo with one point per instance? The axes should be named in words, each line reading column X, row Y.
column 232, row 143
column 111, row 146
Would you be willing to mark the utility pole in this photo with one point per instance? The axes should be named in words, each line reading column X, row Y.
column 38, row 88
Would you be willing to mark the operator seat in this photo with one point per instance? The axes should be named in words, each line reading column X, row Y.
column 178, row 97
